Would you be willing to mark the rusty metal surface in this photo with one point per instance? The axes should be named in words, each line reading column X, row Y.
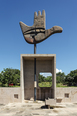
column 37, row 33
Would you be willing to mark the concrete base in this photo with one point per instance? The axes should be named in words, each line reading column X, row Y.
column 44, row 63
column 13, row 94
column 50, row 102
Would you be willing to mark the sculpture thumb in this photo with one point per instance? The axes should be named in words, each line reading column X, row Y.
column 42, row 36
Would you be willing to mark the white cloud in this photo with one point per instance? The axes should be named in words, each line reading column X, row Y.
column 57, row 70
column 49, row 74
column 45, row 74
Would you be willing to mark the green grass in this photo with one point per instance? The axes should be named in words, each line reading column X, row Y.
column 60, row 85
column 45, row 84
column 49, row 84
column 6, row 85
column 42, row 84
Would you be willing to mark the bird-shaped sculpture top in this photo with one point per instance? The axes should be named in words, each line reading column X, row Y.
column 37, row 33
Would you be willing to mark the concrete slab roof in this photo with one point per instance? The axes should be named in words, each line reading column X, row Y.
column 38, row 56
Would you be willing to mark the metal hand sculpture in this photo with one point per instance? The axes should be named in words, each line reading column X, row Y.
column 37, row 33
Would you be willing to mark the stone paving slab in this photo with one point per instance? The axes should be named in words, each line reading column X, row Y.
column 38, row 109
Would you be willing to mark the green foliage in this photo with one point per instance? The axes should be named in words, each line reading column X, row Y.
column 9, row 76
column 60, row 85
column 45, row 84
column 41, row 78
column 71, row 78
column 12, row 76
column 60, row 77
column 48, row 79
column 62, row 80
column 44, row 81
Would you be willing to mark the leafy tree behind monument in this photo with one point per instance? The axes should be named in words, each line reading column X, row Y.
column 10, row 76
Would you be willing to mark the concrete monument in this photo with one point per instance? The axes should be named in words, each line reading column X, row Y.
column 33, row 35
column 32, row 65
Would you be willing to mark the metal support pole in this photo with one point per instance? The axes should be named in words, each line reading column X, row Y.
column 34, row 48
column 35, row 84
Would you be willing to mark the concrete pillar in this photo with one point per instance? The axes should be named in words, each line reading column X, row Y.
column 22, row 79
column 54, row 77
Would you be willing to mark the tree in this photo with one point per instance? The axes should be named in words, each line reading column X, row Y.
column 60, row 77
column 3, row 79
column 71, row 78
column 57, row 79
column 16, row 79
column 41, row 78
column 9, row 76
column 48, row 79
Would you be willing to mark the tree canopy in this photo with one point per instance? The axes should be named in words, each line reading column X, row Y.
column 68, row 80
column 10, row 76
column 71, row 78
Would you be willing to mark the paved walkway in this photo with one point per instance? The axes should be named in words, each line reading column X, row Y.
column 37, row 109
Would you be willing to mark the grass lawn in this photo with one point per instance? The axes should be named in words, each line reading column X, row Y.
column 6, row 85
column 49, row 84
column 45, row 84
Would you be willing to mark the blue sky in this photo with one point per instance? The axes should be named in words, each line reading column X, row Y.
column 58, row 12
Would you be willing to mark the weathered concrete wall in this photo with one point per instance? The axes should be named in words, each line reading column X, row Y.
column 44, row 63
column 41, row 66
column 28, row 79
column 10, row 95
column 44, row 93
column 62, row 94
column 66, row 94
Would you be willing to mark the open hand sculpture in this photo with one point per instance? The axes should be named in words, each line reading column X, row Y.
column 37, row 33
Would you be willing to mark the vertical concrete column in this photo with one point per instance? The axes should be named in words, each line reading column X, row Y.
column 22, row 79
column 54, row 77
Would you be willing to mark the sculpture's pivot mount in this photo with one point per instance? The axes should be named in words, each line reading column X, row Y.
column 37, row 33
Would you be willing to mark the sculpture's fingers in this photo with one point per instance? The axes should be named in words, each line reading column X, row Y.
column 39, row 13
column 35, row 15
column 43, row 13
column 39, row 20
